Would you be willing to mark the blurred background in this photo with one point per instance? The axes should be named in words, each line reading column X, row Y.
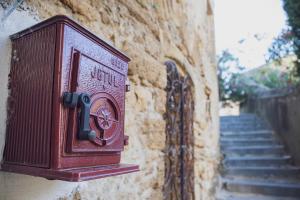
column 257, row 44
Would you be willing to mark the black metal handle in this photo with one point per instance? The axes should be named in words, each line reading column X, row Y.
column 83, row 100
column 85, row 132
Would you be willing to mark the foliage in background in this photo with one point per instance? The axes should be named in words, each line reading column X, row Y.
column 236, row 84
column 282, row 46
column 288, row 42
column 268, row 77
column 292, row 8
column 229, row 70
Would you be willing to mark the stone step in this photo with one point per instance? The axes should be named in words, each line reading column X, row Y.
column 257, row 147
column 245, row 196
column 256, row 161
column 242, row 116
column 234, row 117
column 253, row 150
column 286, row 171
column 242, row 128
column 247, row 135
column 248, row 142
column 255, row 164
column 265, row 130
column 237, row 154
column 261, row 131
column 225, row 122
column 243, row 120
column 242, row 125
column 262, row 187
column 245, row 123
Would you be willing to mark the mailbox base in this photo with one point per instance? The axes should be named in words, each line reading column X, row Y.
column 74, row 174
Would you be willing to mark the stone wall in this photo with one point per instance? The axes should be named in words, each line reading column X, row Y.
column 149, row 32
column 281, row 109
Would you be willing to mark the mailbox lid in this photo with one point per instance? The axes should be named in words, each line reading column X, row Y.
column 62, row 19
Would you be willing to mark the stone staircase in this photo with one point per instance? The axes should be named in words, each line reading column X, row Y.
column 255, row 164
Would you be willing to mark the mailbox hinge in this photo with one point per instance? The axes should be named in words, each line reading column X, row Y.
column 127, row 85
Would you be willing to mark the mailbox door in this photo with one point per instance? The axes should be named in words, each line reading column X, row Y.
column 90, row 69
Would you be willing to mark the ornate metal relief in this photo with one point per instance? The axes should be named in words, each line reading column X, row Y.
column 179, row 157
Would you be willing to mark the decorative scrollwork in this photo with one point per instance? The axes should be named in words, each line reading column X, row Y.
column 179, row 156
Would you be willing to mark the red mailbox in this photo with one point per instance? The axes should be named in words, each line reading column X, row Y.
column 66, row 105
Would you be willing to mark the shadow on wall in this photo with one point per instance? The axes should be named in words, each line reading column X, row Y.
column 281, row 108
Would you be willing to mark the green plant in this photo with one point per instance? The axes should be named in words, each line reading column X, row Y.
column 236, row 85
column 282, row 46
column 289, row 40
column 229, row 69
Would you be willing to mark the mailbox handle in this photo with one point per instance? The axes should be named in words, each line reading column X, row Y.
column 83, row 100
column 72, row 100
column 85, row 132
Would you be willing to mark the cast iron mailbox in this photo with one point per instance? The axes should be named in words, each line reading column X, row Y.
column 66, row 104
